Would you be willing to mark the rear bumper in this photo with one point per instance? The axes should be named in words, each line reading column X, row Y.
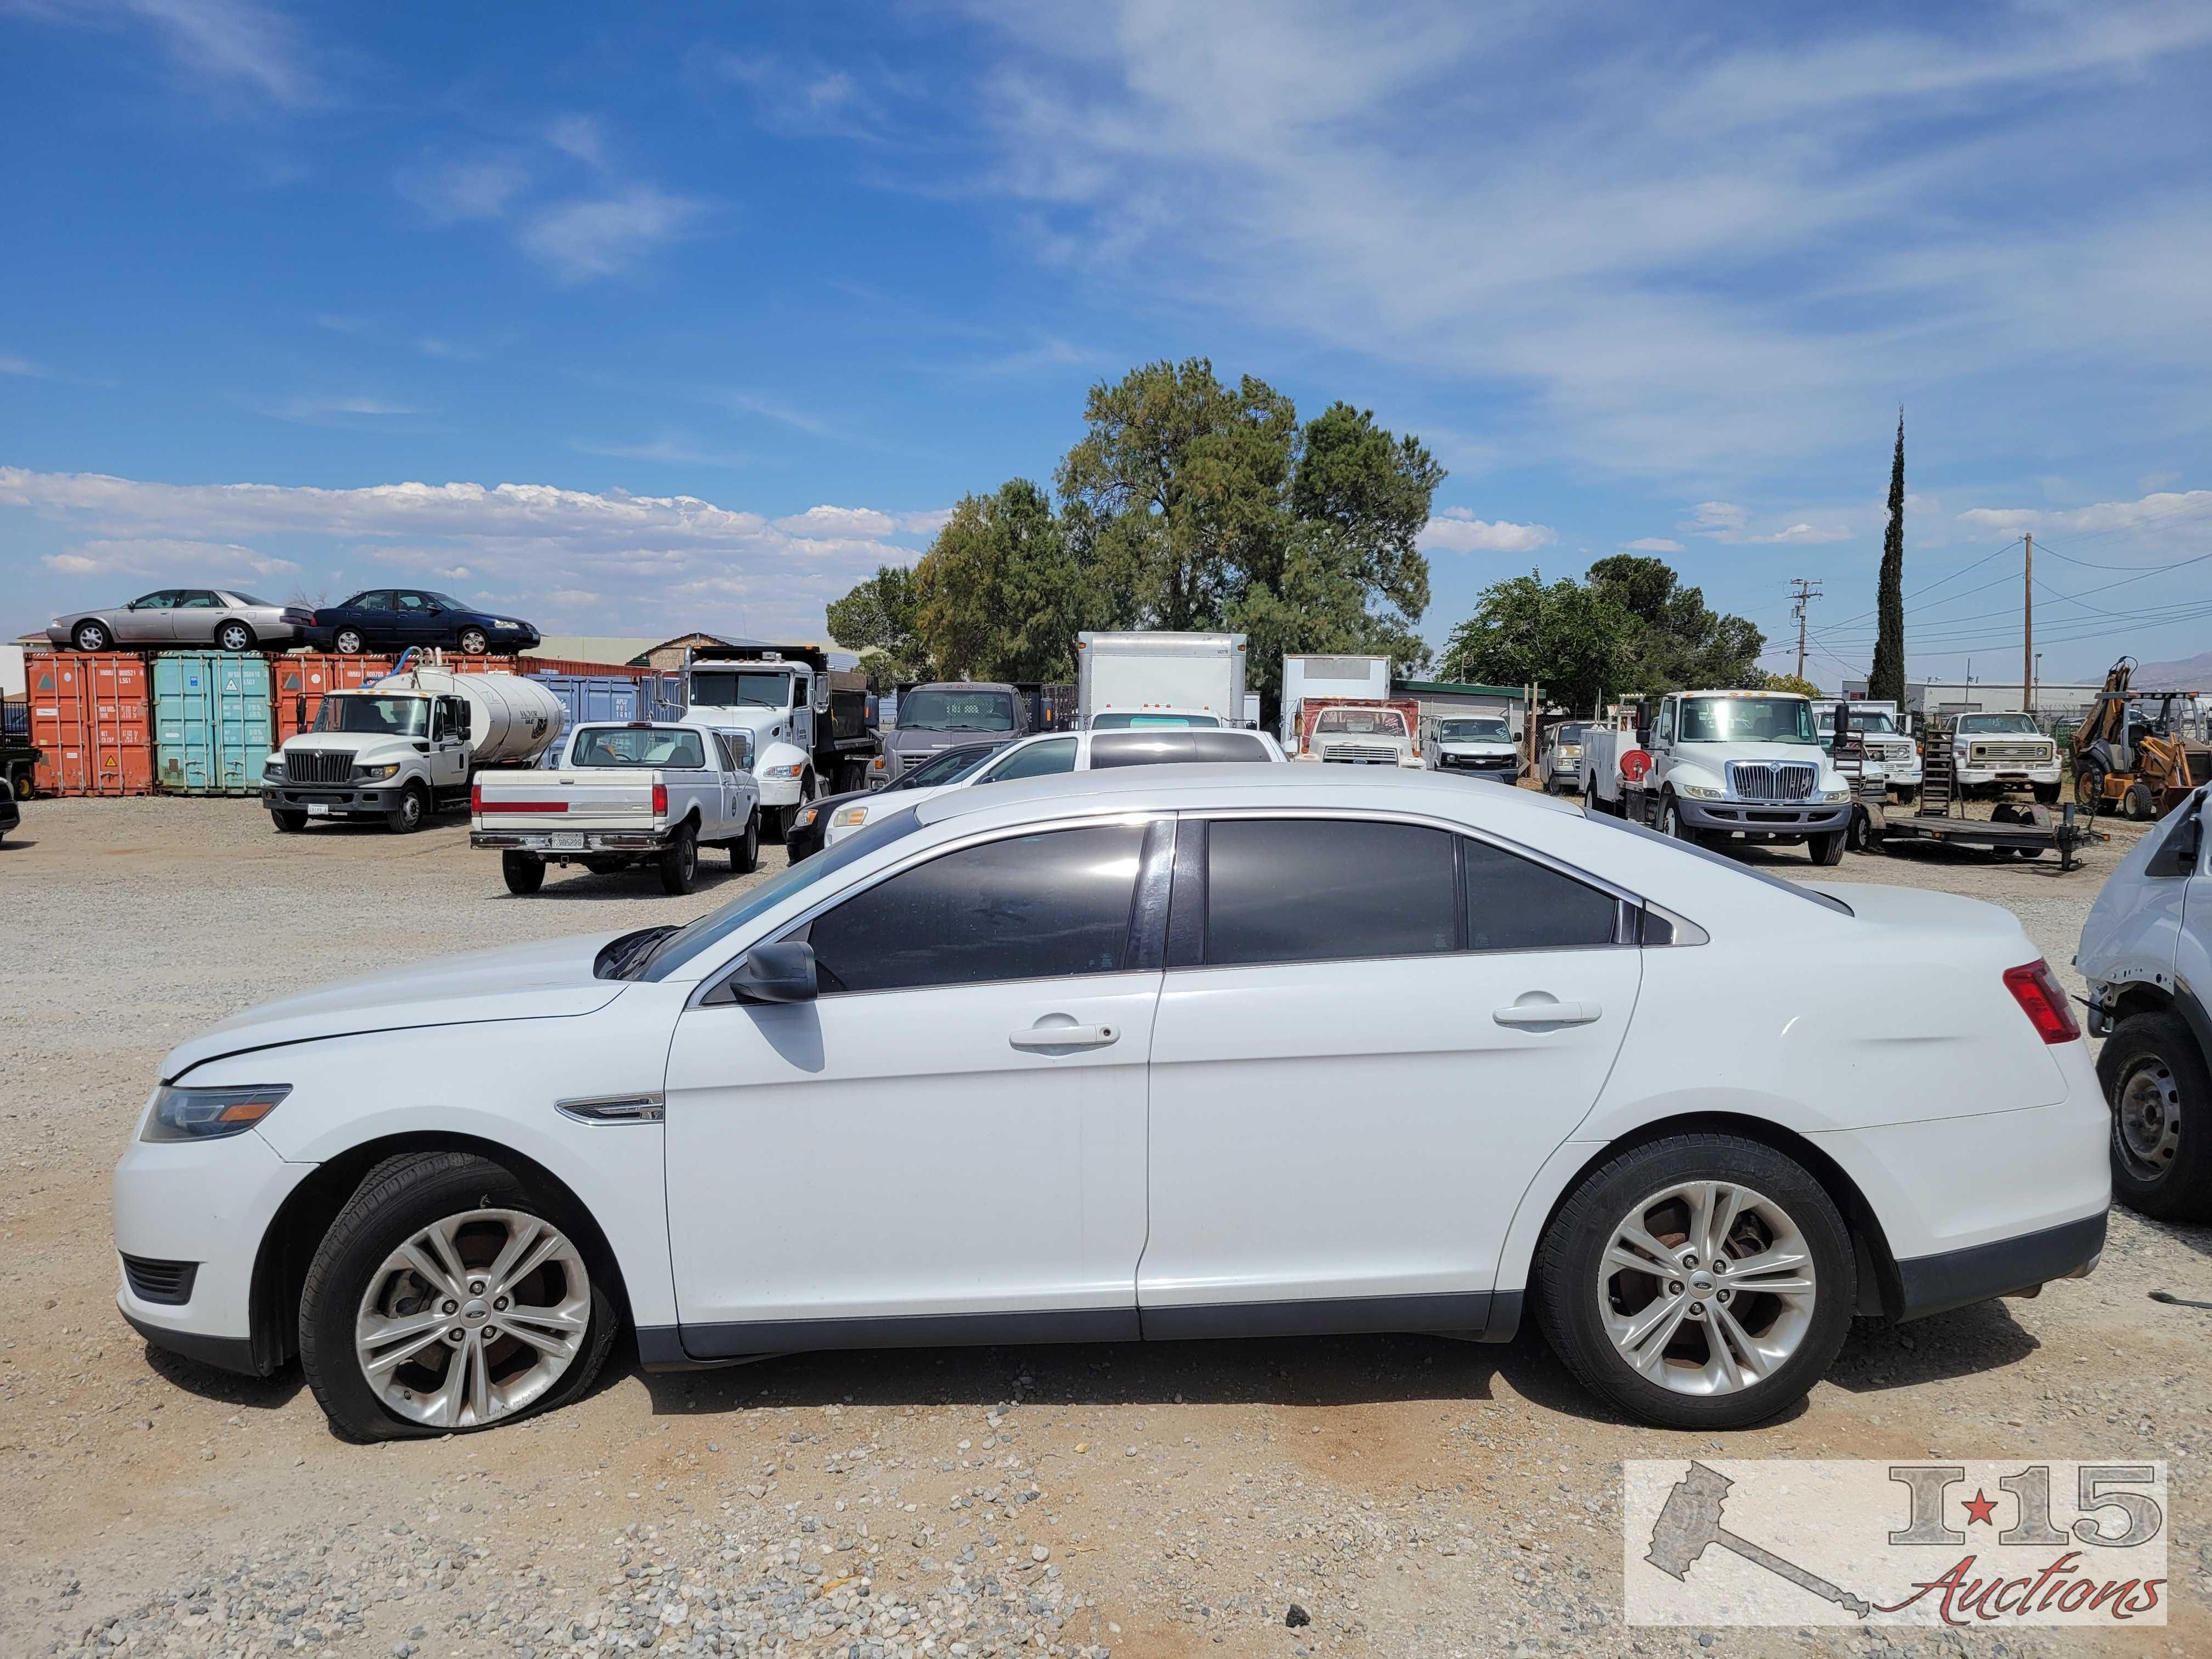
column 337, row 801
column 1754, row 820
column 558, row 841
column 1957, row 1278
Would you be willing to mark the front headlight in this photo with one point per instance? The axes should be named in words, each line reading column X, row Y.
column 211, row 1114
column 849, row 818
column 1700, row 792
column 273, row 766
column 506, row 624
column 804, row 817
column 790, row 771
column 377, row 773
column 1835, row 794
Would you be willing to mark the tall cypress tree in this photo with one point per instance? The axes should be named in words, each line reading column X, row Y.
column 1886, row 680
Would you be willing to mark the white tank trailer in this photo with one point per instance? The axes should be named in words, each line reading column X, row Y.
column 512, row 720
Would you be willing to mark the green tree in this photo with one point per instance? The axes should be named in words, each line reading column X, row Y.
column 1886, row 679
column 1677, row 640
column 876, row 619
column 998, row 595
column 1790, row 683
column 1565, row 636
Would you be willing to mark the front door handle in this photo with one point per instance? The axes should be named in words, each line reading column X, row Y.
column 1548, row 1012
column 1050, row 1038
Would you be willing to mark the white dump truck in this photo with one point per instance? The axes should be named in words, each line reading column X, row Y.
column 808, row 722
column 619, row 795
column 408, row 746
column 1313, row 677
column 1131, row 678
column 1719, row 766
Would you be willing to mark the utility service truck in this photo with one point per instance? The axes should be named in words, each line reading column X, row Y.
column 808, row 722
column 1718, row 766
column 1151, row 680
column 650, row 793
column 408, row 745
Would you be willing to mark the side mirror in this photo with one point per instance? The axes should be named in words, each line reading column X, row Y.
column 461, row 719
column 771, row 973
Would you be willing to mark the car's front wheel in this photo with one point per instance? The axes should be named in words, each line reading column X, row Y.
column 446, row 1297
column 1827, row 850
column 289, row 820
column 1703, row 1281
column 2160, row 1093
column 91, row 636
column 1671, row 824
column 473, row 641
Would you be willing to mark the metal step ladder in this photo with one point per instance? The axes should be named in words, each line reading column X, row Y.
column 1938, row 770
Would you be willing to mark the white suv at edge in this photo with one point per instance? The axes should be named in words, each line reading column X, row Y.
column 1186, row 1051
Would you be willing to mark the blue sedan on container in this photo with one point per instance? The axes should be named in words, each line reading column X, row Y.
column 394, row 618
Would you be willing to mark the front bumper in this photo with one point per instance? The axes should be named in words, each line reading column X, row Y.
column 1757, row 818
column 558, row 841
column 1980, row 775
column 333, row 800
column 1487, row 766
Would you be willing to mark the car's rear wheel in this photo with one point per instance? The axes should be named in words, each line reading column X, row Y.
column 91, row 636
column 235, row 637
column 288, row 820
column 1703, row 1281
column 448, row 1296
column 524, row 872
column 745, row 852
column 473, row 641
column 2161, row 1094
column 347, row 643
column 679, row 862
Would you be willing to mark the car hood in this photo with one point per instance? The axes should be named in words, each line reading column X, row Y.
column 548, row 980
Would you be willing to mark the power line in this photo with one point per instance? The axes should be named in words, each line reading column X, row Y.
column 1804, row 593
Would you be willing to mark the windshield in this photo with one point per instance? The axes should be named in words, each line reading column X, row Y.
column 1365, row 722
column 950, row 767
column 1474, row 731
column 688, row 941
column 390, row 717
column 1568, row 734
column 742, row 688
column 957, row 711
column 1876, row 721
column 1748, row 719
column 622, row 745
column 1111, row 721
column 1982, row 724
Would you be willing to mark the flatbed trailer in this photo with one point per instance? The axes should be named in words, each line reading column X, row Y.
column 2020, row 828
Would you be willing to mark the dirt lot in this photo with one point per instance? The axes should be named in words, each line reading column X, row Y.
column 1415, row 1496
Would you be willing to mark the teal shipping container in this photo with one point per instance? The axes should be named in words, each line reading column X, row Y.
column 211, row 728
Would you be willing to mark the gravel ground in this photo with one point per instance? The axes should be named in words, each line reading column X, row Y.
column 1409, row 1496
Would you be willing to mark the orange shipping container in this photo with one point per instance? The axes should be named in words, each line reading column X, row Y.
column 89, row 719
column 297, row 683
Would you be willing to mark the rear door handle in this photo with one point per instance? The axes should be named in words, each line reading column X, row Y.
column 1548, row 1012
column 1070, row 1036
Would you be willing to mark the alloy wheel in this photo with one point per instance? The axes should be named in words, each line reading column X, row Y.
column 1706, row 1288
column 2147, row 1120
column 473, row 1318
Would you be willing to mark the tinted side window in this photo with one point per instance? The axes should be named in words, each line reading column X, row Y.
column 375, row 600
column 1158, row 748
column 1314, row 890
column 1515, row 904
column 1029, row 907
column 1038, row 760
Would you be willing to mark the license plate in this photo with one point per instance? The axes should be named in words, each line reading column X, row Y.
column 565, row 843
column 318, row 810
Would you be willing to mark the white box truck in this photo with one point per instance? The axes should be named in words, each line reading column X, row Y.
column 1307, row 678
column 1159, row 678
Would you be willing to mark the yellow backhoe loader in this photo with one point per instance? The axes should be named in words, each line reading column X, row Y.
column 2129, row 756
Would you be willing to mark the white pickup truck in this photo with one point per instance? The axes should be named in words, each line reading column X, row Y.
column 1716, row 765
column 642, row 793
column 1996, row 752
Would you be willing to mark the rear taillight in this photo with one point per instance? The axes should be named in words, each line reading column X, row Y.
column 660, row 800
column 476, row 798
column 2036, row 990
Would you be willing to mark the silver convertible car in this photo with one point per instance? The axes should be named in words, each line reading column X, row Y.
column 222, row 618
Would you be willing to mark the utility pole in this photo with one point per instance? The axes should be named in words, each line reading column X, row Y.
column 2027, row 627
column 1803, row 592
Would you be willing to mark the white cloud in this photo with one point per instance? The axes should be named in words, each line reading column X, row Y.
column 588, row 238
column 1803, row 532
column 1456, row 529
column 2163, row 509
column 454, row 192
column 1725, row 521
column 580, row 137
column 1652, row 544
column 320, row 410
column 775, row 408
column 226, row 46
column 1709, row 518
column 22, row 366
column 658, row 562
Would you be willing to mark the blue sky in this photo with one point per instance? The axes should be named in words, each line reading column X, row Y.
column 639, row 319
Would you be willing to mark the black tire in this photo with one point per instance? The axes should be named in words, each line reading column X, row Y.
column 2046, row 793
column 414, row 806
column 347, row 643
column 678, row 862
column 397, row 1198
column 91, row 636
column 288, row 820
column 233, row 636
column 2089, row 788
column 1907, row 794
column 473, row 643
column 1671, row 825
column 2157, row 1054
column 2140, row 805
column 744, row 851
column 1861, row 835
column 1576, row 1240
column 524, row 872
column 1828, row 851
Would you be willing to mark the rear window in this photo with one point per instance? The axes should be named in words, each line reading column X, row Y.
column 1158, row 748
column 618, row 746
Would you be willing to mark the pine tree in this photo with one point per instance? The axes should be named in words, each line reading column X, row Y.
column 1886, row 681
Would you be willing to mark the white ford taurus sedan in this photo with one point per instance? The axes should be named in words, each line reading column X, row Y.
column 1162, row 1052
